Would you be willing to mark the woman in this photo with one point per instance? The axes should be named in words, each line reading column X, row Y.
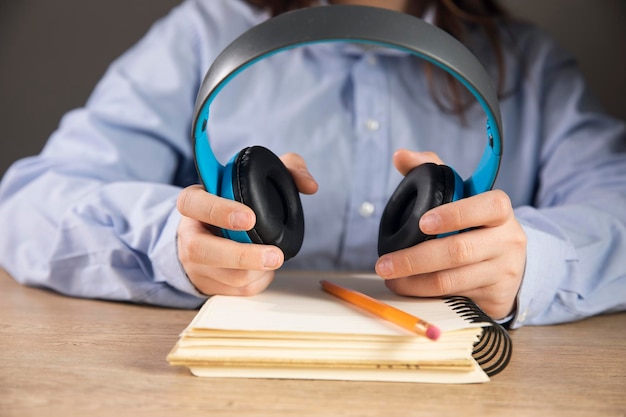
column 122, row 220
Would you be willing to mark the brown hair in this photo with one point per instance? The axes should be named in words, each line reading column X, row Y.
column 456, row 17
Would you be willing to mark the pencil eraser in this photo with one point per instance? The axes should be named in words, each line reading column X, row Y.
column 433, row 332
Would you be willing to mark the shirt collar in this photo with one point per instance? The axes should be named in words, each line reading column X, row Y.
column 429, row 14
column 360, row 49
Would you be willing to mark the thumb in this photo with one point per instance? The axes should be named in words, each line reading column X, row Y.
column 297, row 167
column 405, row 160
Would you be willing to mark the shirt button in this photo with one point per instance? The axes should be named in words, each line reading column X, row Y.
column 372, row 125
column 372, row 60
column 366, row 209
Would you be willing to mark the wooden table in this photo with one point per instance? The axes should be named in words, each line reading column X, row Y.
column 63, row 356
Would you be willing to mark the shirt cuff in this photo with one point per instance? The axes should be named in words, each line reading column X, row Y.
column 546, row 264
column 167, row 266
column 507, row 321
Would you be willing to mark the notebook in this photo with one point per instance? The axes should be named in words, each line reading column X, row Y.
column 295, row 330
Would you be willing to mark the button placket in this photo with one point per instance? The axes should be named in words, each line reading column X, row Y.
column 371, row 154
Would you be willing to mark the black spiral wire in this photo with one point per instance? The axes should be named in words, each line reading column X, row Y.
column 494, row 349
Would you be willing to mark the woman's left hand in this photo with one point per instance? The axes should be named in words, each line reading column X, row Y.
column 485, row 263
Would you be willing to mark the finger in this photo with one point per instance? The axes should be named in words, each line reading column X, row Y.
column 231, row 282
column 196, row 203
column 405, row 160
column 439, row 254
column 207, row 249
column 297, row 167
column 489, row 209
column 447, row 282
column 197, row 246
column 496, row 300
column 496, row 303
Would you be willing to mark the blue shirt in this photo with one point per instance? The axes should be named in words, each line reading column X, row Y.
column 94, row 214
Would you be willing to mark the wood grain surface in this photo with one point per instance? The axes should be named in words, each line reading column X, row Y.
column 62, row 356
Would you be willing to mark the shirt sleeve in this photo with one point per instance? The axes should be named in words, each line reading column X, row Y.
column 94, row 214
column 576, row 228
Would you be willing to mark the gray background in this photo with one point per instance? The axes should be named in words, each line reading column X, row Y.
column 52, row 52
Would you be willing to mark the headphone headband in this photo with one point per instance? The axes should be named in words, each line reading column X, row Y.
column 360, row 24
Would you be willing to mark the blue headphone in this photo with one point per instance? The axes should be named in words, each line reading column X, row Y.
column 256, row 177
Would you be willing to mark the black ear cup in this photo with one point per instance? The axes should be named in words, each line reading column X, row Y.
column 423, row 188
column 262, row 182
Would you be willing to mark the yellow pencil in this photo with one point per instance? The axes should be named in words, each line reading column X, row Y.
column 385, row 311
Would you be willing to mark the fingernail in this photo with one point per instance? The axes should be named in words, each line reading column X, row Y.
column 271, row 259
column 240, row 220
column 429, row 222
column 384, row 267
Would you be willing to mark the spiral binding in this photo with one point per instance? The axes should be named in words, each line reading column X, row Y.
column 494, row 349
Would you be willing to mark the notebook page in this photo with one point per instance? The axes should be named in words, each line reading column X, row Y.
column 385, row 375
column 297, row 303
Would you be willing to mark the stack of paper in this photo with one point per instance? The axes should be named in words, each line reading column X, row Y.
column 296, row 330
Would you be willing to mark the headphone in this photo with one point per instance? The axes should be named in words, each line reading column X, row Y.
column 257, row 178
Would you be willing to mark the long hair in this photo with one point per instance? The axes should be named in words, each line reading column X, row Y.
column 458, row 18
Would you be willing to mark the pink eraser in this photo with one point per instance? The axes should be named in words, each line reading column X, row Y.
column 433, row 332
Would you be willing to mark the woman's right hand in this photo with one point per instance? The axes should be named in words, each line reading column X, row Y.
column 216, row 265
